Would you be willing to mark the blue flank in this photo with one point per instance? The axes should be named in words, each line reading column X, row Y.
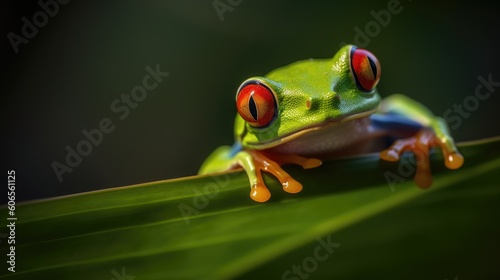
column 235, row 149
column 394, row 122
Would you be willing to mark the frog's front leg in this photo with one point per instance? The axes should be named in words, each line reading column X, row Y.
column 255, row 161
column 433, row 132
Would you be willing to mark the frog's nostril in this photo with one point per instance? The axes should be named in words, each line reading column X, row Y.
column 309, row 103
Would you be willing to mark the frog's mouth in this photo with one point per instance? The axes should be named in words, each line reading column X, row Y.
column 328, row 134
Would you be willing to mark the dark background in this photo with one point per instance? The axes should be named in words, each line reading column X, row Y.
column 65, row 78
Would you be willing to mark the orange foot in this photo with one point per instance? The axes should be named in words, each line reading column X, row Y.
column 262, row 162
column 420, row 145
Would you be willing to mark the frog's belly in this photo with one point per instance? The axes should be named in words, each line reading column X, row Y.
column 349, row 138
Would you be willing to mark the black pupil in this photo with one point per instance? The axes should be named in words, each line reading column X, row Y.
column 253, row 108
column 373, row 66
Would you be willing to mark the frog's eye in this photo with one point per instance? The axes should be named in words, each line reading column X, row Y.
column 365, row 68
column 256, row 104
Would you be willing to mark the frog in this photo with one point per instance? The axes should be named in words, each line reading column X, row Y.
column 317, row 109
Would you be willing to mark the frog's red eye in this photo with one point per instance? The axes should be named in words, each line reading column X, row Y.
column 256, row 104
column 366, row 69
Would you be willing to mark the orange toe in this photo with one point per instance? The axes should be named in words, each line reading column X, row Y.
column 290, row 185
column 453, row 160
column 260, row 193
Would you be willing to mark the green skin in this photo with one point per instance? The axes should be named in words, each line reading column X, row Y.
column 319, row 102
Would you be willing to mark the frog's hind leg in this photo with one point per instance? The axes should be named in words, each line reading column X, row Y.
column 434, row 132
column 419, row 145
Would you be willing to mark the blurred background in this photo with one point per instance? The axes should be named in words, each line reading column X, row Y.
column 87, row 54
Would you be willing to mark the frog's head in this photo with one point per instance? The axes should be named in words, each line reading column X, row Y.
column 306, row 96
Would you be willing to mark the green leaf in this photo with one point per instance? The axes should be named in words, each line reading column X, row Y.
column 207, row 227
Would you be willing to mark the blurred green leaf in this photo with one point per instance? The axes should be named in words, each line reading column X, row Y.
column 207, row 227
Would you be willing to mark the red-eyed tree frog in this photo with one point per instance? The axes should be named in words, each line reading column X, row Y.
column 318, row 108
